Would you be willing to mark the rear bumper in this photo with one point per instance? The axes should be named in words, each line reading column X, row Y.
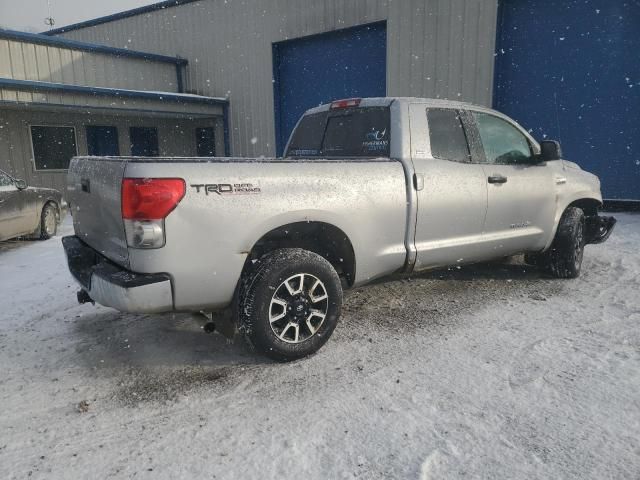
column 113, row 286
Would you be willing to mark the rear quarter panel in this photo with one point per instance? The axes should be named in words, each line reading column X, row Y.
column 208, row 236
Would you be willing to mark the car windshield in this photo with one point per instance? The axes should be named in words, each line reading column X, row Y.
column 351, row 132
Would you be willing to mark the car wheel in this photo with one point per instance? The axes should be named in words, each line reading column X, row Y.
column 48, row 222
column 289, row 303
column 567, row 249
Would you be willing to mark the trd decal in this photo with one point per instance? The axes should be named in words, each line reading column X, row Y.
column 226, row 188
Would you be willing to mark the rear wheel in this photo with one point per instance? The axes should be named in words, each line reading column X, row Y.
column 290, row 303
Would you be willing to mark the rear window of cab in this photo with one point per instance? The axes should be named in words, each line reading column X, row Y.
column 349, row 132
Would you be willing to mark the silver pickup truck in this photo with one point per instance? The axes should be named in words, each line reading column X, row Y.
column 367, row 188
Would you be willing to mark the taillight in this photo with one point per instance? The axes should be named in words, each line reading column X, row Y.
column 150, row 198
column 346, row 103
column 146, row 202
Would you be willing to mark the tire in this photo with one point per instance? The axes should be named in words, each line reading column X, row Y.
column 48, row 222
column 564, row 258
column 289, row 303
column 535, row 259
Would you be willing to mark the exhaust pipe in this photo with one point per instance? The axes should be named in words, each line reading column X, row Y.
column 83, row 297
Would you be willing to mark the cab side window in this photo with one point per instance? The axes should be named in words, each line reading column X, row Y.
column 447, row 135
column 503, row 143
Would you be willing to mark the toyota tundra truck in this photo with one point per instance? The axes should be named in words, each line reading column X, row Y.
column 366, row 188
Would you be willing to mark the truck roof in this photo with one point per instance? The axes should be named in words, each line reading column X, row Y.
column 387, row 101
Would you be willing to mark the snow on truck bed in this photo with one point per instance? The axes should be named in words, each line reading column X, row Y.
column 490, row 371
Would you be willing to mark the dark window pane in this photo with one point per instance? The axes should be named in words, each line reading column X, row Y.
column 355, row 132
column 503, row 143
column 358, row 132
column 205, row 142
column 102, row 141
column 53, row 147
column 446, row 133
column 307, row 137
column 144, row 141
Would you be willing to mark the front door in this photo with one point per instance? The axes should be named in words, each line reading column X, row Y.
column 521, row 194
column 15, row 211
column 452, row 190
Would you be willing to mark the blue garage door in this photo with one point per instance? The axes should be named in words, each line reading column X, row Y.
column 571, row 71
column 314, row 70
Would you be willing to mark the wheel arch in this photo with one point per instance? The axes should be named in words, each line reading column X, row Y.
column 322, row 238
column 588, row 204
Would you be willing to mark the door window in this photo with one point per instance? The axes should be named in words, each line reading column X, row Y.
column 447, row 136
column 503, row 143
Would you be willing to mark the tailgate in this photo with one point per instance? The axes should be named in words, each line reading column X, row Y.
column 93, row 188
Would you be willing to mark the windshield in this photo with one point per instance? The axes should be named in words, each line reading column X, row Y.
column 354, row 132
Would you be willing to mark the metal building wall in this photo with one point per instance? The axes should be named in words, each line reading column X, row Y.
column 28, row 61
column 176, row 138
column 436, row 48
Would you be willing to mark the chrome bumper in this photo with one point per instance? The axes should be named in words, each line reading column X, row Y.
column 112, row 286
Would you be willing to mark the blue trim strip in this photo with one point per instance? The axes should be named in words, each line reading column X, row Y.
column 106, row 92
column 49, row 107
column 87, row 47
column 119, row 16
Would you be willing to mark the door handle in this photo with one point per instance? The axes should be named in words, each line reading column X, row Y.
column 497, row 179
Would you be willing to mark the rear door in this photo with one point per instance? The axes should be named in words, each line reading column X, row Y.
column 452, row 189
column 521, row 194
column 94, row 190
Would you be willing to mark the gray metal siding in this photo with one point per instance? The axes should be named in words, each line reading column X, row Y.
column 435, row 48
column 176, row 137
column 27, row 61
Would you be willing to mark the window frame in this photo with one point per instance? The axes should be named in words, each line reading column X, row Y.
column 33, row 150
column 534, row 148
column 460, row 114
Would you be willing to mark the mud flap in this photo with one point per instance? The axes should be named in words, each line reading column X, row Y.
column 599, row 228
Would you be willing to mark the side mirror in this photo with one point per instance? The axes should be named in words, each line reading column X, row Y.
column 20, row 184
column 550, row 150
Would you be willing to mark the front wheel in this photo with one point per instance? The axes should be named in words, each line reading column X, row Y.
column 564, row 258
column 48, row 222
column 290, row 303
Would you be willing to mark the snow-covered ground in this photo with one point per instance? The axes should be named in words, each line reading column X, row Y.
column 484, row 372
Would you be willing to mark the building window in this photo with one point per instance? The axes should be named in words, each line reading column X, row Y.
column 102, row 141
column 144, row 141
column 205, row 142
column 53, row 147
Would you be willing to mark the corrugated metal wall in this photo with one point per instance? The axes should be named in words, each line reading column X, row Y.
column 177, row 137
column 436, row 48
column 28, row 61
